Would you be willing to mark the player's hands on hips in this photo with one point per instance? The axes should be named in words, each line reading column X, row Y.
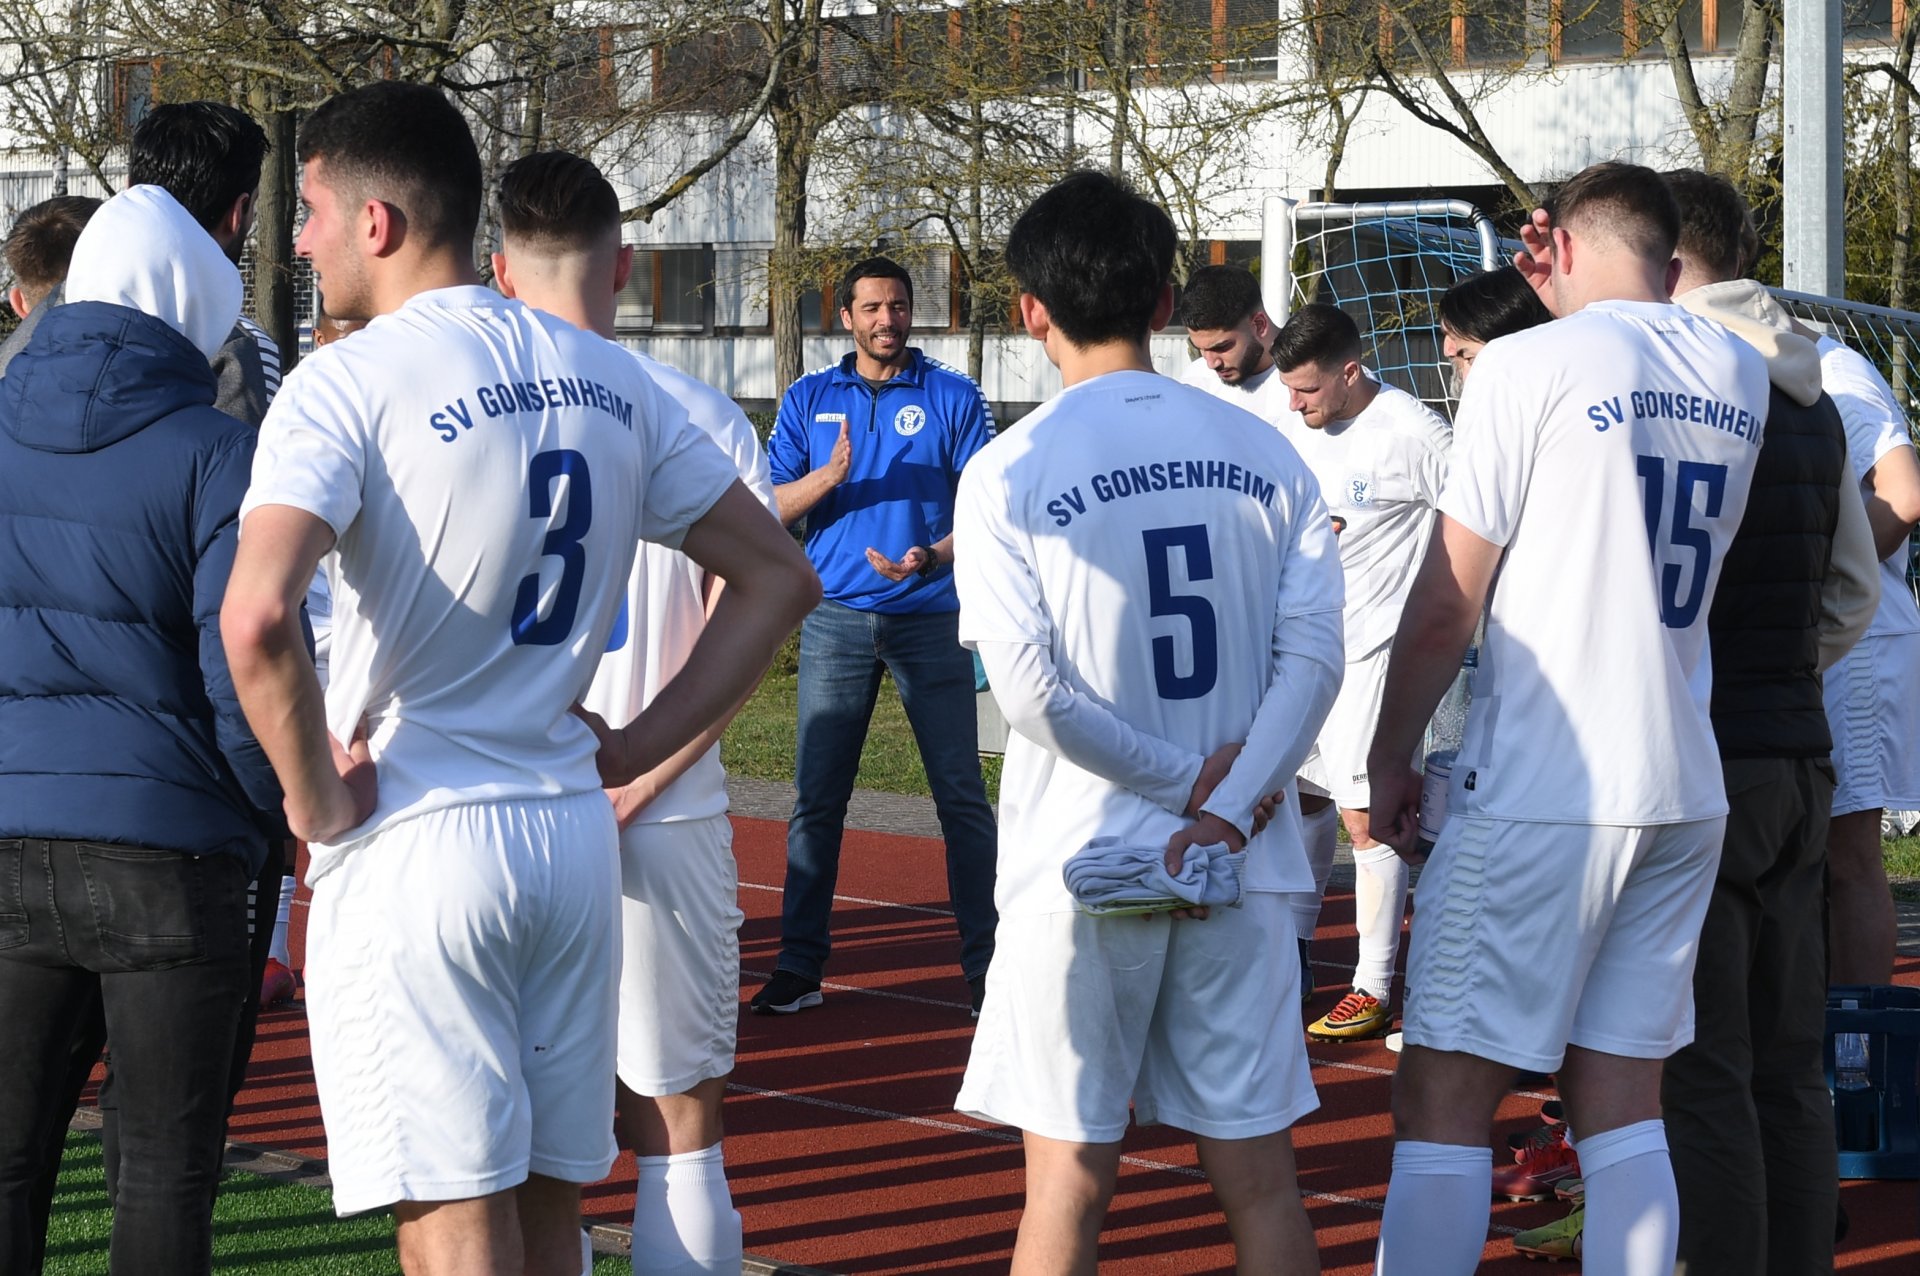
column 908, row 564
column 346, row 804
column 611, row 757
column 1535, row 258
column 1205, row 831
column 1394, row 813
column 1213, row 770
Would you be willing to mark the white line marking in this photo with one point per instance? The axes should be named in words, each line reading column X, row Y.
column 855, row 899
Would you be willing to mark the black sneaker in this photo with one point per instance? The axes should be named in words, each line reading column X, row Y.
column 785, row 994
column 978, row 986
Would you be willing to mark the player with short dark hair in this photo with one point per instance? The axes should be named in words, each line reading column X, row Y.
column 208, row 156
column 40, row 245
column 1227, row 324
column 680, row 913
column 871, row 268
column 1161, row 725
column 484, row 474
column 1600, row 467
column 1381, row 457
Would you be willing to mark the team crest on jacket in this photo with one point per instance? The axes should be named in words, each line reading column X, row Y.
column 910, row 420
column 1360, row 491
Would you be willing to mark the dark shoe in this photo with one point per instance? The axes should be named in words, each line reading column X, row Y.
column 785, row 994
column 978, row 986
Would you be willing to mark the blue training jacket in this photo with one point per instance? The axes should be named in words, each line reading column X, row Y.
column 910, row 439
column 120, row 490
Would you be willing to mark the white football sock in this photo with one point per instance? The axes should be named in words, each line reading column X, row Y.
column 1438, row 1202
column 1633, row 1208
column 586, row 1252
column 1379, row 902
column 277, row 949
column 684, row 1223
column 1318, row 831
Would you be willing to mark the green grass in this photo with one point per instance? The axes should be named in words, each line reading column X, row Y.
column 1903, row 866
column 260, row 1226
column 760, row 742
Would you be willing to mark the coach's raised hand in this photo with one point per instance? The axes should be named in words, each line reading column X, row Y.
column 1535, row 258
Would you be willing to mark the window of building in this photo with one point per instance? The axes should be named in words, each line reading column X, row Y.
column 135, row 88
column 670, row 290
column 717, row 70
column 581, row 83
column 1871, row 19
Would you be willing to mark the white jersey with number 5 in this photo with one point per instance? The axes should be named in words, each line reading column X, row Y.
column 488, row 471
column 1610, row 452
column 1156, row 541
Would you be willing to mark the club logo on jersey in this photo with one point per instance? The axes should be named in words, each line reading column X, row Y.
column 1360, row 491
column 910, row 420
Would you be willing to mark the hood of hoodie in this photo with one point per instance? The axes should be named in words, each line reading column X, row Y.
column 94, row 374
column 1793, row 362
column 142, row 250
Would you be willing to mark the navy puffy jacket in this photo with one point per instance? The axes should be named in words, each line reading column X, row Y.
column 120, row 490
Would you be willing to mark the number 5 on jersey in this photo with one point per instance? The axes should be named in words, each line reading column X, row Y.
column 529, row 628
column 1191, row 541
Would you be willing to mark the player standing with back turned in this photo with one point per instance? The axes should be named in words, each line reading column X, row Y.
column 1600, row 465
column 1150, row 578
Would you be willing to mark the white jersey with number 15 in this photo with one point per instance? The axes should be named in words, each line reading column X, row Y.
column 1610, row 452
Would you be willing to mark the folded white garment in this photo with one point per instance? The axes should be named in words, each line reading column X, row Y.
column 1110, row 875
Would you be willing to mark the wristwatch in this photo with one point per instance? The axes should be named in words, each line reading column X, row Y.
column 928, row 565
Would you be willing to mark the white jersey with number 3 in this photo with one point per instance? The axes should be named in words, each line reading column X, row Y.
column 1610, row 453
column 1156, row 541
column 487, row 471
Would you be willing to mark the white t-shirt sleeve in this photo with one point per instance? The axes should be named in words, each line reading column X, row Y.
column 750, row 461
column 1000, row 599
column 313, row 448
column 687, row 471
column 1491, row 463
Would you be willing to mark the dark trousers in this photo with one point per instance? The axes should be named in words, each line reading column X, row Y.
column 842, row 653
column 1748, row 1117
column 157, row 940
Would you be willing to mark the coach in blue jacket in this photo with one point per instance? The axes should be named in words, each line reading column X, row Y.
column 131, row 790
column 869, row 452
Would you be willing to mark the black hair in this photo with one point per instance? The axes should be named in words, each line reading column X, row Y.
column 1323, row 335
column 1626, row 201
column 1716, row 228
column 1492, row 304
column 558, row 197
column 40, row 246
column 871, row 268
column 205, row 154
column 1218, row 297
column 406, row 145
column 1096, row 254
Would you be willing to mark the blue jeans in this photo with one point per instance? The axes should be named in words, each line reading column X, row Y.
column 842, row 652
column 160, row 938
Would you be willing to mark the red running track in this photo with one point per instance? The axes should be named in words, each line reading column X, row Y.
column 845, row 1153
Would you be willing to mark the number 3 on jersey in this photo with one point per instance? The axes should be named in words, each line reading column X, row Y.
column 562, row 542
column 1160, row 543
column 1677, row 609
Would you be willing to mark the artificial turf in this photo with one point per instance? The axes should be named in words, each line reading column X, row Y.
column 260, row 1225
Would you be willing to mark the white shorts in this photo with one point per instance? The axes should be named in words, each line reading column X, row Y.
column 461, row 997
column 1336, row 767
column 1197, row 1023
column 1873, row 706
column 679, row 954
column 1530, row 937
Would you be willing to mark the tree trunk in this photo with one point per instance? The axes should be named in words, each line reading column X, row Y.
column 976, row 245
column 1902, row 200
column 792, row 157
column 1120, row 76
column 273, row 279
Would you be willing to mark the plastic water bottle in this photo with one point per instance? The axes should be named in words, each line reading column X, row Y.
column 1444, row 733
column 1856, row 1111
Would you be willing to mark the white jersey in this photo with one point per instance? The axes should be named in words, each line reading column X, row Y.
column 1580, row 446
column 487, row 471
column 665, row 606
column 1380, row 475
column 1264, row 395
column 1875, row 427
column 1156, row 542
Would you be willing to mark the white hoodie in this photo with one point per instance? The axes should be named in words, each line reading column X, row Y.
column 144, row 251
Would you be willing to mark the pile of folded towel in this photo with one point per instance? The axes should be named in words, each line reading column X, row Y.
column 1110, row 876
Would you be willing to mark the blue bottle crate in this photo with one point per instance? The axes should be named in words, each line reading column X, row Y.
column 1878, row 1127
